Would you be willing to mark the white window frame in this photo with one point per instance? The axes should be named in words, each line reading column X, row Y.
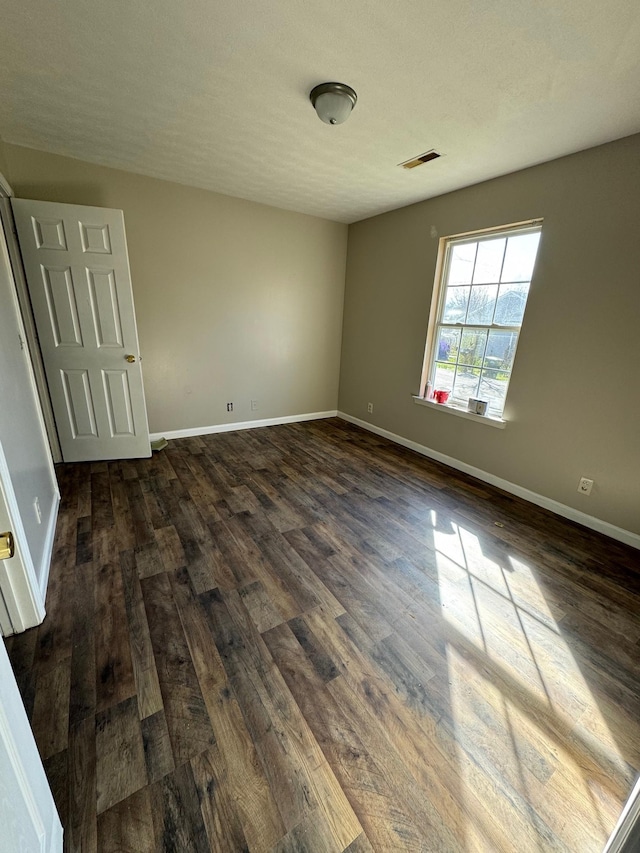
column 438, row 301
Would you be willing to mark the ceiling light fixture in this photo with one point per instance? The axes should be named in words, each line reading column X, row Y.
column 333, row 102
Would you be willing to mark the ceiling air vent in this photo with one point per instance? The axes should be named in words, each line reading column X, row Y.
column 420, row 159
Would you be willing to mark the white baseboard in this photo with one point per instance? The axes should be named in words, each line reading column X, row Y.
column 209, row 430
column 620, row 839
column 558, row 508
column 43, row 580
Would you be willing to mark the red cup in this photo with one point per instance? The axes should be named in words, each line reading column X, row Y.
column 441, row 396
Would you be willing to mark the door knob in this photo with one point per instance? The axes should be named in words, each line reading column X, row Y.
column 7, row 548
column 130, row 358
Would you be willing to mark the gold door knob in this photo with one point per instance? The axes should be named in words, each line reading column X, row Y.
column 7, row 548
column 130, row 358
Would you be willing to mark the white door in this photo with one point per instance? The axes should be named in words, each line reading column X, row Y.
column 29, row 821
column 77, row 271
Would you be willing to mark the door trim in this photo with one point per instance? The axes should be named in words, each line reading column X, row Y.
column 47, row 552
column 24, row 302
column 7, row 737
column 621, row 840
column 25, row 764
column 24, row 608
column 6, row 625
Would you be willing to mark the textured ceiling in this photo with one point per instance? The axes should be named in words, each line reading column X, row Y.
column 214, row 93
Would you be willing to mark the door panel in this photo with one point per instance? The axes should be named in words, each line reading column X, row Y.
column 61, row 302
column 79, row 402
column 77, row 271
column 95, row 238
column 105, row 308
column 49, row 233
column 117, row 395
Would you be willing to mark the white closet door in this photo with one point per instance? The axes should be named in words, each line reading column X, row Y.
column 29, row 821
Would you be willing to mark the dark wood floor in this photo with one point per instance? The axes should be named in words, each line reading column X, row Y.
column 305, row 638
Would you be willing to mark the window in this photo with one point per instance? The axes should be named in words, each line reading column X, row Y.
column 477, row 311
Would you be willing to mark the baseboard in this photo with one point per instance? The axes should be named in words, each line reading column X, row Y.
column 626, row 830
column 48, row 546
column 619, row 533
column 209, row 430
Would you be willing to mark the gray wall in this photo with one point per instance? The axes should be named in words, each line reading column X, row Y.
column 235, row 301
column 574, row 402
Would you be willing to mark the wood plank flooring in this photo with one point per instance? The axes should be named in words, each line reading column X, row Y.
column 305, row 638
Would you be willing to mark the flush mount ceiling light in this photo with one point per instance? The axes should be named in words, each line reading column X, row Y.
column 333, row 102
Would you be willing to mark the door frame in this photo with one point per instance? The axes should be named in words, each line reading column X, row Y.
column 18, row 578
column 24, row 301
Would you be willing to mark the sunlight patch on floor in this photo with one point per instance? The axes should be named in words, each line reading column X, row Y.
column 552, row 741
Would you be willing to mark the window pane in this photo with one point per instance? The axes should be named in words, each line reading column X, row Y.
column 443, row 378
column 448, row 345
column 489, row 261
column 466, row 384
column 501, row 348
column 472, row 347
column 493, row 388
column 455, row 304
column 482, row 303
column 520, row 257
column 511, row 304
column 461, row 265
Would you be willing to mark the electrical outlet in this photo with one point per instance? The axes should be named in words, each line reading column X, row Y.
column 254, row 405
column 36, row 509
column 229, row 407
column 370, row 408
column 585, row 485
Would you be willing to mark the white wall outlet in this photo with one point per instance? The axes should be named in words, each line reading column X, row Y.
column 229, row 407
column 36, row 509
column 254, row 405
column 585, row 485
column 370, row 408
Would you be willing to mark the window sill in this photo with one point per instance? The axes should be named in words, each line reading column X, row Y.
column 487, row 420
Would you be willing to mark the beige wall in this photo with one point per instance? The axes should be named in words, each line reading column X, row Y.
column 235, row 301
column 574, row 401
column 239, row 301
